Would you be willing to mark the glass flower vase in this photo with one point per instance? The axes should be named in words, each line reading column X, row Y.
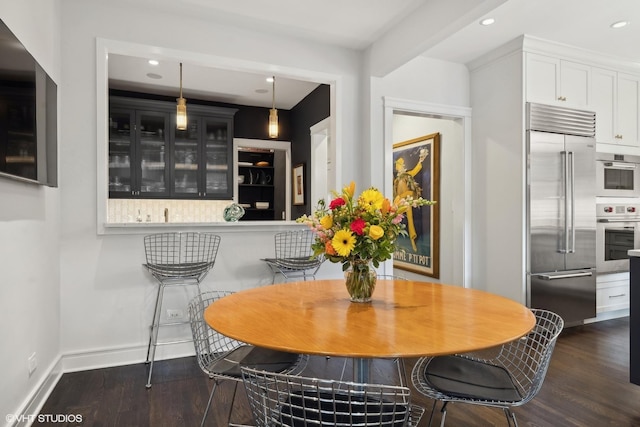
column 360, row 279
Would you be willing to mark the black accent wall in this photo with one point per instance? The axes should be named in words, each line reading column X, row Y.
column 314, row 108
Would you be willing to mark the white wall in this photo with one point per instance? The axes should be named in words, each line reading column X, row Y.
column 29, row 239
column 499, row 171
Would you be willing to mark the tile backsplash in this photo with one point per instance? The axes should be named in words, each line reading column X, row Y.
column 143, row 210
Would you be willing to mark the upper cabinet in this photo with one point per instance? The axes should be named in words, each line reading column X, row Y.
column 612, row 94
column 616, row 99
column 150, row 158
column 557, row 82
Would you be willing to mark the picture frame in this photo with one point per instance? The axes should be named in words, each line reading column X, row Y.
column 416, row 164
column 298, row 184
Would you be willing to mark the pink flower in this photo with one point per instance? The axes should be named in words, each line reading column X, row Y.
column 357, row 226
column 336, row 203
column 398, row 219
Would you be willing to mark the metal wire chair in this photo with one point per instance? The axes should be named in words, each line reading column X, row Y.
column 285, row 400
column 294, row 256
column 221, row 357
column 510, row 378
column 176, row 259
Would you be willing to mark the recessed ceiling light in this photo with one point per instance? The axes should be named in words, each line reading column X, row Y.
column 270, row 79
column 153, row 62
column 619, row 24
column 487, row 21
column 154, row 76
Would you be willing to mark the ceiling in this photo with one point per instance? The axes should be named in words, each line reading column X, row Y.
column 356, row 24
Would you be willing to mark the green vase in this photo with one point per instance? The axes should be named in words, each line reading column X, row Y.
column 360, row 279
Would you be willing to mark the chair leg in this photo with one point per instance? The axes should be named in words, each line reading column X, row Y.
column 206, row 411
column 153, row 321
column 402, row 371
column 444, row 413
column 154, row 333
column 433, row 411
column 510, row 417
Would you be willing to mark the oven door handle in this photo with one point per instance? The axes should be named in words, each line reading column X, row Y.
column 618, row 220
column 564, row 276
column 619, row 165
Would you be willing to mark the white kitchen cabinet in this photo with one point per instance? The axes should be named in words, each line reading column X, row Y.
column 612, row 292
column 615, row 98
column 557, row 82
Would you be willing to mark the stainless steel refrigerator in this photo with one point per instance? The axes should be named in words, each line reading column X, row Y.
column 561, row 211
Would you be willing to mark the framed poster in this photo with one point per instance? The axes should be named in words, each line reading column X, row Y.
column 298, row 184
column 417, row 173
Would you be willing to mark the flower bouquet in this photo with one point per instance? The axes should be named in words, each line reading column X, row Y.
column 359, row 232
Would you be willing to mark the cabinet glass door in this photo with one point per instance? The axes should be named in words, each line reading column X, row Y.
column 152, row 147
column 120, row 152
column 216, row 158
column 185, row 156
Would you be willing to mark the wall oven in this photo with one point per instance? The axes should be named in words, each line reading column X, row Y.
column 617, row 175
column 617, row 231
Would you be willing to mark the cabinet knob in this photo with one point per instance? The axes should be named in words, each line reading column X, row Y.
column 562, row 98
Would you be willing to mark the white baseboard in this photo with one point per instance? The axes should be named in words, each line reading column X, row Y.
column 608, row 315
column 88, row 360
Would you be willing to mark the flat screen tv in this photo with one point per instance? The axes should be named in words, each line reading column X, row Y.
column 28, row 115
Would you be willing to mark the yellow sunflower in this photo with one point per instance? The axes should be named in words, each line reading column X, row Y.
column 343, row 242
column 371, row 199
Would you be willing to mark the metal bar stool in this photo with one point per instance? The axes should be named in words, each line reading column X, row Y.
column 294, row 256
column 176, row 259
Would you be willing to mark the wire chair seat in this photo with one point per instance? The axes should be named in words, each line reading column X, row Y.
column 297, row 401
column 509, row 378
column 192, row 270
column 294, row 256
column 222, row 358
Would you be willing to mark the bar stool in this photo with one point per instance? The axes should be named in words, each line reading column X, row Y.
column 176, row 259
column 294, row 256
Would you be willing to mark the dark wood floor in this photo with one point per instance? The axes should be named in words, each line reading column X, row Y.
column 587, row 385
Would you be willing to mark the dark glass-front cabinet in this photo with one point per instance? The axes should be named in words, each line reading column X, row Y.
column 150, row 158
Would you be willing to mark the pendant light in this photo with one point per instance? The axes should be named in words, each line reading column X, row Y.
column 181, row 108
column 273, row 113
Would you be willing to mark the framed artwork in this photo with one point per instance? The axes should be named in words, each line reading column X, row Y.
column 298, row 184
column 416, row 165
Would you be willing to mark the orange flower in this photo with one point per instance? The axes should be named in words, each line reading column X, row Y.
column 328, row 248
column 351, row 189
column 386, row 206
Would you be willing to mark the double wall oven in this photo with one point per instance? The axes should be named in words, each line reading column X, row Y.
column 617, row 231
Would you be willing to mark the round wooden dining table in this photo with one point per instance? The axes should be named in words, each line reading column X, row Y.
column 404, row 319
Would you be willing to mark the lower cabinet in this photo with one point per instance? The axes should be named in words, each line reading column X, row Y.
column 612, row 292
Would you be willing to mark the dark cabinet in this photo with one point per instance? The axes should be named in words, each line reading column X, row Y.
column 256, row 189
column 150, row 158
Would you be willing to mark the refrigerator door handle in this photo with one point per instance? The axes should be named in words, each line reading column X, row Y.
column 564, row 276
column 565, row 183
column 572, row 185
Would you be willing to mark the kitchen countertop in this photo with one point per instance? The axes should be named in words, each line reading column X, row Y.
column 634, row 252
